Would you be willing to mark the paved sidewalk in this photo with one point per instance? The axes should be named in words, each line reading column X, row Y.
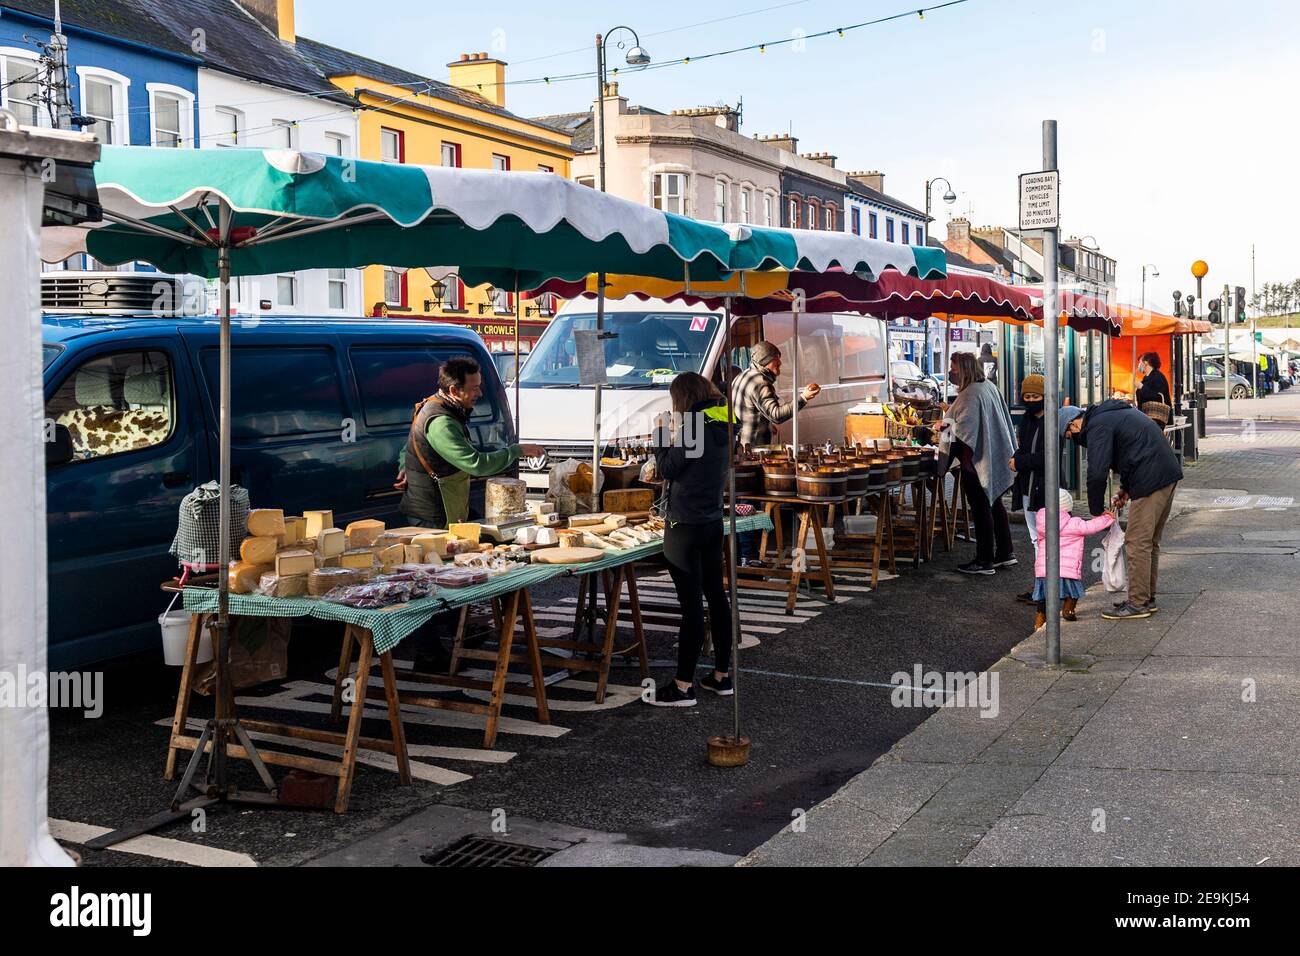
column 1169, row 741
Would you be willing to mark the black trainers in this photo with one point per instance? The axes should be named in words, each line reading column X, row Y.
column 1126, row 612
column 975, row 567
column 722, row 687
column 670, row 695
column 1006, row 562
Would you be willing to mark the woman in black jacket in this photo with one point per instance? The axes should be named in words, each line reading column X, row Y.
column 1029, row 463
column 693, row 464
column 1154, row 387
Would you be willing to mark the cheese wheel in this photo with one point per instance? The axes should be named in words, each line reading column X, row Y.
column 294, row 562
column 259, row 550
column 323, row 580
column 364, row 533
column 331, row 542
column 245, row 577
column 266, row 522
column 393, row 554
column 317, row 521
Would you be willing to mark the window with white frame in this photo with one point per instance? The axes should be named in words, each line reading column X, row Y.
column 794, row 212
column 283, row 134
column 500, row 163
column 769, row 209
column 103, row 99
column 338, row 288
column 746, row 204
column 286, row 289
column 920, row 235
column 391, row 147
column 228, row 125
column 338, row 144
column 813, row 209
column 454, row 298
column 171, row 115
column 543, row 168
column 830, row 218
column 669, row 192
column 394, row 286
column 20, row 85
column 907, row 233
column 720, row 200
column 451, row 154
column 503, row 301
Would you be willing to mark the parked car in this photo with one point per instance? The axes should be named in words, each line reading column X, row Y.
column 651, row 341
column 1211, row 375
column 911, row 382
column 321, row 408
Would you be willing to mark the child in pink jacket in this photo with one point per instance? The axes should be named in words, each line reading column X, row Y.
column 1074, row 531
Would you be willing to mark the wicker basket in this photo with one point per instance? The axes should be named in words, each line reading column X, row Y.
column 1158, row 412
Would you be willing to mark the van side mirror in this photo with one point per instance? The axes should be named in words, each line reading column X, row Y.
column 58, row 451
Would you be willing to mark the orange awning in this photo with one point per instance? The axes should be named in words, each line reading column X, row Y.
column 1149, row 322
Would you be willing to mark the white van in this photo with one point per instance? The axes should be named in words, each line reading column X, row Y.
column 652, row 341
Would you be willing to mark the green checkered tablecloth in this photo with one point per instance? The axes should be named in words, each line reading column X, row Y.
column 390, row 625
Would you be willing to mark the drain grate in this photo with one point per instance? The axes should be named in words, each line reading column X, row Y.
column 471, row 851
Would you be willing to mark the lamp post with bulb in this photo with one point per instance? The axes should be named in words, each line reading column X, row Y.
column 949, row 197
column 1155, row 274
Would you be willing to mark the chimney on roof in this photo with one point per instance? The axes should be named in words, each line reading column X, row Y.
column 871, row 179
column 723, row 116
column 826, row 159
column 958, row 235
column 481, row 74
column 994, row 234
column 782, row 141
column 275, row 15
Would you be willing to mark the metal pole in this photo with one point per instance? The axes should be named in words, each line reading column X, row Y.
column 600, row 278
column 1224, row 305
column 731, row 538
column 794, row 311
column 517, row 308
column 1254, row 345
column 222, row 648
column 62, row 102
column 1051, row 442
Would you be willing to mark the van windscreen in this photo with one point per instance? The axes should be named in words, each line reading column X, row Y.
column 646, row 348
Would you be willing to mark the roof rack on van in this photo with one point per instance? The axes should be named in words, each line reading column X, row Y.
column 122, row 293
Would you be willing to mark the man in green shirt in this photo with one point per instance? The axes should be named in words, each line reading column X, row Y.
column 438, row 461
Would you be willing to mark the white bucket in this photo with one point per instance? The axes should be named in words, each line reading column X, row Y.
column 175, row 626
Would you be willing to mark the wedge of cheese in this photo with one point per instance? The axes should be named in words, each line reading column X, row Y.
column 331, row 542
column 295, row 530
column 391, row 555
column 295, row 561
column 433, row 543
column 362, row 558
column 413, row 554
column 259, row 550
column 266, row 522
column 245, row 577
column 364, row 533
column 466, row 531
column 317, row 521
column 578, row 521
column 405, row 535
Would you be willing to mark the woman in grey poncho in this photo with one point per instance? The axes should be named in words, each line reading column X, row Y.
column 981, row 438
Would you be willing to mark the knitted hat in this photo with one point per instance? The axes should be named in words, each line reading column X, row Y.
column 1065, row 415
column 1066, row 501
column 764, row 352
column 1032, row 385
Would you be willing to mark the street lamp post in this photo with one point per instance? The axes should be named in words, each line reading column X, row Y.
column 1155, row 273
column 636, row 56
column 949, row 197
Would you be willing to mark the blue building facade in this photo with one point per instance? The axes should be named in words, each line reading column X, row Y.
column 139, row 95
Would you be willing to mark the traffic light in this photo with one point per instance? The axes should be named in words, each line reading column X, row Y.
column 1214, row 311
column 1241, row 303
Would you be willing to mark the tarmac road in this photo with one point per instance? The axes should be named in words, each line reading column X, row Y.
column 816, row 705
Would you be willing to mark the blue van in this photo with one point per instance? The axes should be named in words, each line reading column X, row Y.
column 321, row 408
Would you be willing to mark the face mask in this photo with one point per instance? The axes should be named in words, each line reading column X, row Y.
column 1033, row 408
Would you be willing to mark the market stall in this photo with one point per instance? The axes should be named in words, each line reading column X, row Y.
column 1145, row 330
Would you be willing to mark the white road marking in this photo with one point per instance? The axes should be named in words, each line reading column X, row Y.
column 160, row 848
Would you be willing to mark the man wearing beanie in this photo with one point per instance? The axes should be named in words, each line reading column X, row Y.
column 1029, row 464
column 754, row 399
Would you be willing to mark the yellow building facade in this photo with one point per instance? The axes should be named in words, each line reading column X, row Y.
column 459, row 123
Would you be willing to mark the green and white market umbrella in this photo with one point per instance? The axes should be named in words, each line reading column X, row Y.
column 811, row 250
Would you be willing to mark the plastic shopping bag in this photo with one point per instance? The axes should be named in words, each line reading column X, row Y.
column 1114, row 568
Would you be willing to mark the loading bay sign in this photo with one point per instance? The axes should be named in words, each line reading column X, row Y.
column 1040, row 200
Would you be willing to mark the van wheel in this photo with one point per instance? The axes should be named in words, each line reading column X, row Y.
column 1240, row 392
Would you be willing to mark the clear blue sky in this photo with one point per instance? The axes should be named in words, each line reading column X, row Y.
column 1145, row 92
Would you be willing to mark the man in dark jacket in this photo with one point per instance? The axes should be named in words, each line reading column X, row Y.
column 1121, row 439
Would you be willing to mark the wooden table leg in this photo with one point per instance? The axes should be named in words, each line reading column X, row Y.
column 613, row 601
column 638, row 631
column 824, row 561
column 395, row 717
column 534, row 658
column 778, row 530
column 507, row 634
column 875, row 551
column 345, row 665
column 186, row 690
column 796, row 575
column 350, row 746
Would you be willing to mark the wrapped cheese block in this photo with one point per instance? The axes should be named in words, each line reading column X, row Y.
column 317, row 521
column 504, row 496
column 526, row 535
column 266, row 522
column 323, row 580
column 245, row 577
column 294, row 562
column 283, row 585
column 547, row 536
column 364, row 533
column 259, row 550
